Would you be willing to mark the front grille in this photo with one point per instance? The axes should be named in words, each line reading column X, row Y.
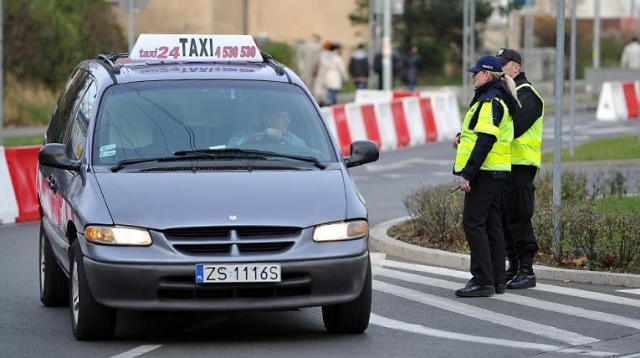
column 250, row 231
column 198, row 232
column 265, row 247
column 210, row 249
column 222, row 240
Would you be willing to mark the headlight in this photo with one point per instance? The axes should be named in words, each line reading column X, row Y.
column 341, row 231
column 117, row 235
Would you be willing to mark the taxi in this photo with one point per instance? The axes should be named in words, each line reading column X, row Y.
column 196, row 173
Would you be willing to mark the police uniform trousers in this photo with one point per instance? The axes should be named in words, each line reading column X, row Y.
column 482, row 223
column 518, row 205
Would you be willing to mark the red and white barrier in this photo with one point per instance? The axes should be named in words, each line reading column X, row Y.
column 18, row 198
column 619, row 101
column 395, row 119
column 8, row 202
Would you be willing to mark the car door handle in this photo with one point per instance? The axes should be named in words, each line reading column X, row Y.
column 53, row 185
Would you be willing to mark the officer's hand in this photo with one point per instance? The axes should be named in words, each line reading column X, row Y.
column 273, row 133
column 456, row 141
column 465, row 185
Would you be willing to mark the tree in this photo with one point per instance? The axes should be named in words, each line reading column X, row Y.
column 434, row 25
column 45, row 39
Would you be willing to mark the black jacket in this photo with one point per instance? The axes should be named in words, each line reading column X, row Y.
column 523, row 118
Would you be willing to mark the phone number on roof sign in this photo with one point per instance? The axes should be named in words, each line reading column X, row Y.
column 221, row 52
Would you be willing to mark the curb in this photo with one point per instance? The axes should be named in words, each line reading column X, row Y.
column 380, row 241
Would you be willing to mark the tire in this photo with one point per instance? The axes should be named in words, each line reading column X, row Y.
column 54, row 284
column 350, row 317
column 89, row 319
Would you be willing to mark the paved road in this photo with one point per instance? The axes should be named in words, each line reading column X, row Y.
column 415, row 313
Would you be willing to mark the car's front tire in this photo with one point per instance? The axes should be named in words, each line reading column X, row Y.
column 350, row 317
column 89, row 319
column 54, row 284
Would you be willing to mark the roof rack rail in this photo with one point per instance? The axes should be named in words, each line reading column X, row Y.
column 277, row 66
column 110, row 59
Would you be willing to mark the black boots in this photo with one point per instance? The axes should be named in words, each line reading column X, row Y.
column 512, row 270
column 471, row 289
column 524, row 278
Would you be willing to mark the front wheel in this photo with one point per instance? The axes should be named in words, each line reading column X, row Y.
column 350, row 317
column 89, row 319
column 54, row 285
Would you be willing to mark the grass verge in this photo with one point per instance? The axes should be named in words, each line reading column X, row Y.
column 21, row 141
column 624, row 147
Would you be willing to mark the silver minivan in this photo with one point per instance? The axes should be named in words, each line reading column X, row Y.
column 198, row 185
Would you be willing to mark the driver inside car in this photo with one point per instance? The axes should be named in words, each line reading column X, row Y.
column 274, row 128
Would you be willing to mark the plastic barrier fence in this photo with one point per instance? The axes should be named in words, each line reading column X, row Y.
column 18, row 184
column 619, row 101
column 395, row 119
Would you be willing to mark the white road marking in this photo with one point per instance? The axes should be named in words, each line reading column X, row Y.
column 635, row 291
column 574, row 292
column 517, row 299
column 138, row 351
column 568, row 337
column 426, row 331
column 377, row 258
column 634, row 355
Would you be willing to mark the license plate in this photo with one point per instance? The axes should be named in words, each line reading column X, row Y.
column 214, row 273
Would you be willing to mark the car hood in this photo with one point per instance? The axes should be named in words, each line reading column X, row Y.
column 169, row 200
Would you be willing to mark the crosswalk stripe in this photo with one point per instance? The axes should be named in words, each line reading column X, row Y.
column 432, row 332
column 517, row 299
column 635, row 291
column 556, row 334
column 574, row 292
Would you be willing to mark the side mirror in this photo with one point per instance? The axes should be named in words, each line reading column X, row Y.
column 55, row 155
column 362, row 152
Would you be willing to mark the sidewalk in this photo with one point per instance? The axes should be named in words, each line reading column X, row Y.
column 380, row 241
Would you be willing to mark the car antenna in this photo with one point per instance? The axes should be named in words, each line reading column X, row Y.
column 277, row 66
column 87, row 44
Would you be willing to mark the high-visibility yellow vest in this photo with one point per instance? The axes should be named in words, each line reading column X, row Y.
column 499, row 158
column 526, row 149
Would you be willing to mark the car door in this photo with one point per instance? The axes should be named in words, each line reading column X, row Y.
column 54, row 183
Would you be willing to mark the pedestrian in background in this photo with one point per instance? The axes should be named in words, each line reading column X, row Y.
column 319, row 90
column 396, row 66
column 359, row 67
column 412, row 66
column 483, row 160
column 631, row 55
column 332, row 73
column 526, row 156
column 308, row 55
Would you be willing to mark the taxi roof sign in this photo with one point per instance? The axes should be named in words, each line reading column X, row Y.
column 195, row 48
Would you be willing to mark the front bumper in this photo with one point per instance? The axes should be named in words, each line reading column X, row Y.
column 172, row 287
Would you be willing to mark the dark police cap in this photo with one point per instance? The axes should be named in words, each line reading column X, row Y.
column 506, row 54
column 486, row 63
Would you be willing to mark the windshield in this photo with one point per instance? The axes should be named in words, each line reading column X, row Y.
column 156, row 119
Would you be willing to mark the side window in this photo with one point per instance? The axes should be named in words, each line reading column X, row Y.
column 65, row 106
column 76, row 137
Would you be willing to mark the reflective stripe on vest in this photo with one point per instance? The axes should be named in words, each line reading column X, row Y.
column 526, row 149
column 499, row 158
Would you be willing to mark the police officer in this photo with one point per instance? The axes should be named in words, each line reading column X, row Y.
column 483, row 160
column 518, row 196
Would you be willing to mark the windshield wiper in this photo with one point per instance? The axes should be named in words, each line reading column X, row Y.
column 121, row 164
column 261, row 153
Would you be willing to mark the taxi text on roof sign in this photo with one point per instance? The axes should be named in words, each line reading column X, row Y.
column 195, row 48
